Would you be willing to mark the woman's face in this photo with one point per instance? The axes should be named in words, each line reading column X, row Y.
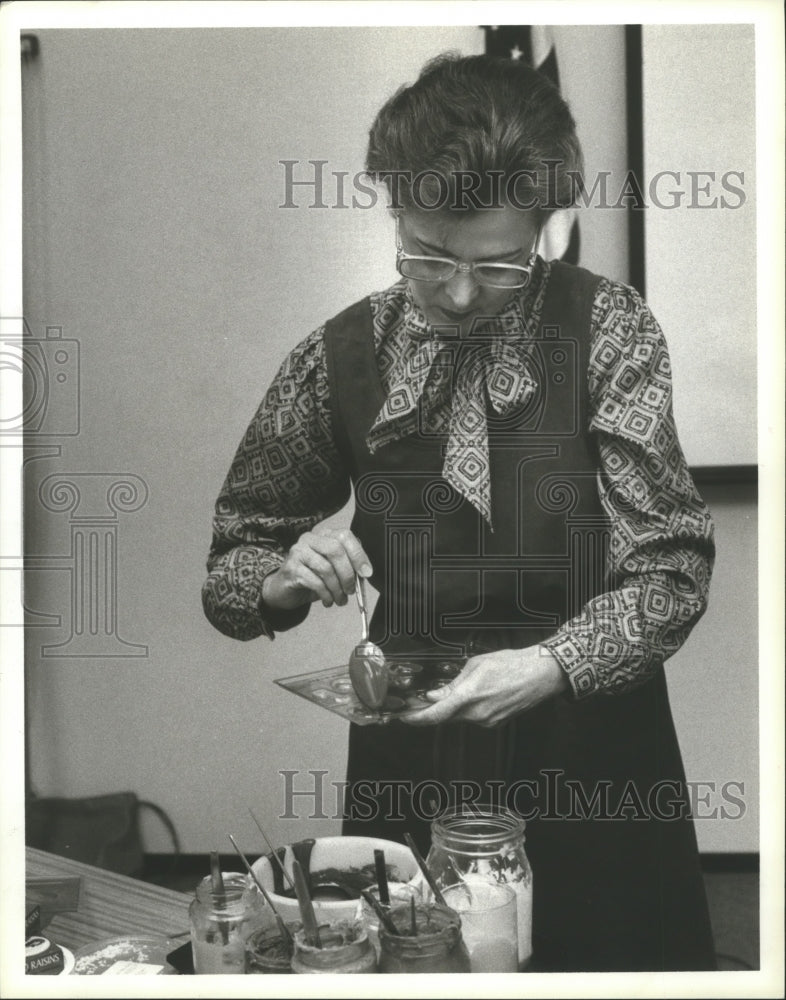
column 501, row 235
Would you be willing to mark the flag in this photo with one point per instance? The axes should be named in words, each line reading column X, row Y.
column 534, row 44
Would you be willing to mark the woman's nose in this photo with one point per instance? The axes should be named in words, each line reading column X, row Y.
column 462, row 290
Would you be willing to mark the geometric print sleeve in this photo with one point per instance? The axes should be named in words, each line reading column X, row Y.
column 661, row 549
column 286, row 477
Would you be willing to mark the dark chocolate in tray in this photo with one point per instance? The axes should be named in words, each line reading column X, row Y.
column 409, row 680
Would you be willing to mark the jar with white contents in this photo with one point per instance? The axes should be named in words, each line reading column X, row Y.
column 485, row 843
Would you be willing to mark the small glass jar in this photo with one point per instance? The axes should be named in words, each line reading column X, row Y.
column 345, row 948
column 437, row 946
column 485, row 843
column 222, row 922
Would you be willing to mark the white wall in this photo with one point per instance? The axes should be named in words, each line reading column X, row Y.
column 700, row 116
column 153, row 237
column 698, row 85
column 714, row 682
column 592, row 74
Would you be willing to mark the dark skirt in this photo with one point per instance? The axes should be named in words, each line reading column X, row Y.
column 617, row 883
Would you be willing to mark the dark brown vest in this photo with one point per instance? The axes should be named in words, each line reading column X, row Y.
column 446, row 580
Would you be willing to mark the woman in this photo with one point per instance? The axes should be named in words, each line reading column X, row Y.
column 521, row 499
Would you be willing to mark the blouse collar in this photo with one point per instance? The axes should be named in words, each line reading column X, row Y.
column 490, row 367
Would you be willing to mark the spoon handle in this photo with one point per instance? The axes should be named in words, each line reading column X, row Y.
column 360, row 594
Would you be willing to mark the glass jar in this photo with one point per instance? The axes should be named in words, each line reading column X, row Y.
column 485, row 843
column 221, row 923
column 437, row 946
column 345, row 948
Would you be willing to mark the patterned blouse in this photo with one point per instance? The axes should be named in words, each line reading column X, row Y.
column 287, row 476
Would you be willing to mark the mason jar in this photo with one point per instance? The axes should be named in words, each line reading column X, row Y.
column 222, row 922
column 485, row 843
column 344, row 948
column 436, row 947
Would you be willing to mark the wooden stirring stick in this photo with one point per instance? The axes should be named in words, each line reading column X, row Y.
column 426, row 873
column 217, row 885
column 283, row 930
column 216, row 878
column 307, row 915
column 382, row 877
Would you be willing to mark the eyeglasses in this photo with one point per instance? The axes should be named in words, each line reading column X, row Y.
column 493, row 275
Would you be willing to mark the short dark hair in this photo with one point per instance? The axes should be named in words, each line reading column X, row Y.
column 497, row 120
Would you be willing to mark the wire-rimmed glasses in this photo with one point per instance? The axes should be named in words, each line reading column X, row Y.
column 421, row 267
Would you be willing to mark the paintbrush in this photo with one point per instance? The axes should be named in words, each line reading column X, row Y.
column 217, row 886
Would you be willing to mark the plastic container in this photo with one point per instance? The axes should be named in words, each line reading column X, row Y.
column 140, row 949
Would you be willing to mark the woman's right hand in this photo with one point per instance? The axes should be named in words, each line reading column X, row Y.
column 320, row 566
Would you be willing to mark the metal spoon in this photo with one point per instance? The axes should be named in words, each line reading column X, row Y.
column 367, row 668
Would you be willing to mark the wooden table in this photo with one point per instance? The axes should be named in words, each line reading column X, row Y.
column 109, row 904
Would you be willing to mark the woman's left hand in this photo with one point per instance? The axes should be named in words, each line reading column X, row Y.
column 493, row 687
